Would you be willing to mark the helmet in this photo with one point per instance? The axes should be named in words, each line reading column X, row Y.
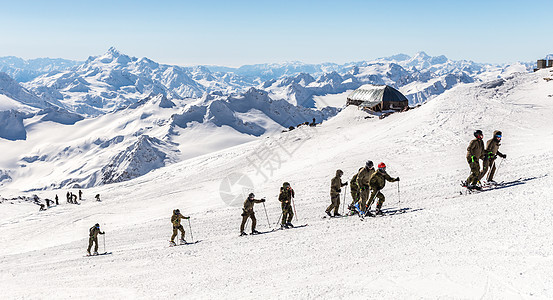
column 339, row 172
column 286, row 184
column 478, row 133
column 251, row 195
column 497, row 134
column 382, row 166
column 177, row 211
column 97, row 225
column 369, row 164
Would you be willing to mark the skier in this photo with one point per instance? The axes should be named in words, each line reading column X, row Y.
column 285, row 198
column 68, row 195
column 74, row 197
column 57, row 200
column 363, row 181
column 491, row 153
column 175, row 219
column 354, row 192
column 48, row 202
column 97, row 197
column 80, row 195
column 248, row 213
column 377, row 183
column 93, row 239
column 336, row 185
column 475, row 151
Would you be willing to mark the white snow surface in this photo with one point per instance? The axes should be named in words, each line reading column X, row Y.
column 491, row 245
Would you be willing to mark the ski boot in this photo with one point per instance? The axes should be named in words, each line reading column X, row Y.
column 172, row 243
column 182, row 241
column 255, row 232
column 88, row 253
column 379, row 212
column 95, row 253
column 337, row 215
column 369, row 213
column 284, row 226
column 328, row 214
column 289, row 224
column 243, row 233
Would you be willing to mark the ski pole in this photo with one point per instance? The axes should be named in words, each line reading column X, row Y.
column 398, row 195
column 267, row 215
column 280, row 217
column 190, row 226
column 345, row 195
column 502, row 159
column 295, row 213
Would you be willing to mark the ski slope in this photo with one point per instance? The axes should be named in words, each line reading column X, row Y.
column 490, row 245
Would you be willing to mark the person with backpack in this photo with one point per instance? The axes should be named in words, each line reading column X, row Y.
column 475, row 152
column 175, row 220
column 93, row 238
column 247, row 212
column 363, row 181
column 377, row 183
column 285, row 198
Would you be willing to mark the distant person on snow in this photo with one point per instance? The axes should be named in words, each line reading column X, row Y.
column 314, row 123
column 354, row 192
column 491, row 153
column 57, row 200
column 68, row 195
column 247, row 212
column 48, row 202
column 377, row 183
column 41, row 207
column 363, row 181
column 80, row 195
column 336, row 185
column 97, row 197
column 93, row 238
column 475, row 152
column 74, row 197
column 175, row 220
column 285, row 198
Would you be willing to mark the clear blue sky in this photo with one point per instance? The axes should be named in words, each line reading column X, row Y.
column 237, row 32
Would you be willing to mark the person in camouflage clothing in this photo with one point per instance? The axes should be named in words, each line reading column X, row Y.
column 247, row 212
column 175, row 220
column 490, row 153
column 335, row 189
column 93, row 238
column 285, row 198
column 377, row 183
column 475, row 152
column 363, row 181
column 354, row 191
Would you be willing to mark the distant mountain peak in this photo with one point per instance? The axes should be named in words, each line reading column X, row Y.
column 114, row 52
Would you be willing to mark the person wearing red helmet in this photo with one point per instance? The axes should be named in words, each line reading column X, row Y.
column 377, row 183
column 475, row 152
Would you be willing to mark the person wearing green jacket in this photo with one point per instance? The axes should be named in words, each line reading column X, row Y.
column 377, row 183
column 475, row 152
column 491, row 152
column 175, row 220
column 93, row 238
column 247, row 212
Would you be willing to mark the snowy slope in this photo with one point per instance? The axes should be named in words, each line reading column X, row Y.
column 495, row 244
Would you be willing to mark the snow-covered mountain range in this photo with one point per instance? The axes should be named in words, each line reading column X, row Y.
column 117, row 117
